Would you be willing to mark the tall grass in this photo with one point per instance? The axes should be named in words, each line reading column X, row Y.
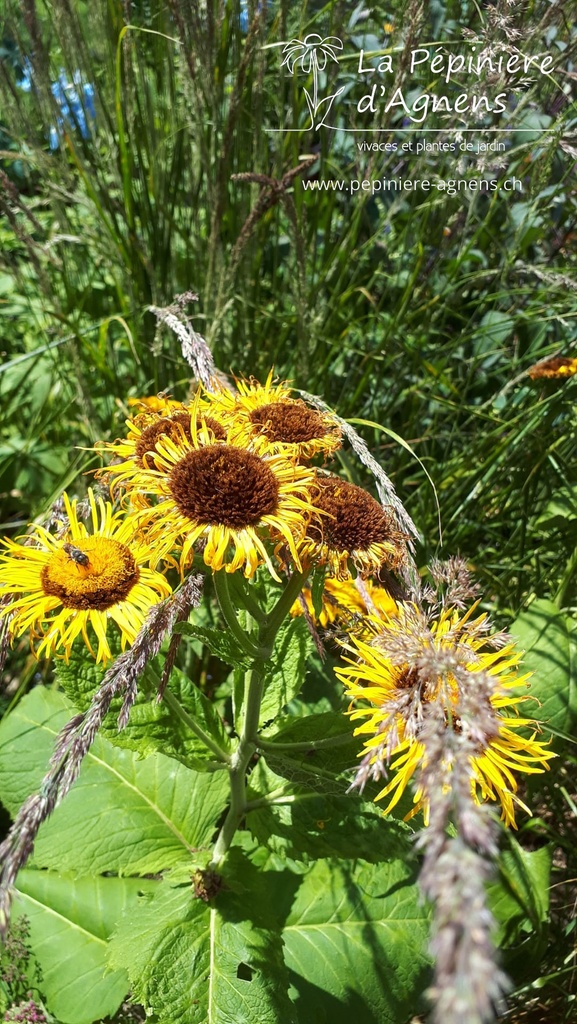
column 412, row 313
column 418, row 313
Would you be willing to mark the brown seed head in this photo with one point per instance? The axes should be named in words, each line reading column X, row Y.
column 173, row 427
column 223, row 485
column 289, row 422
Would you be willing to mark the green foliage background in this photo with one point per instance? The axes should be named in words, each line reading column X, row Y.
column 415, row 313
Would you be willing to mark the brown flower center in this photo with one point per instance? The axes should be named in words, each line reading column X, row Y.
column 105, row 579
column 222, row 485
column 355, row 520
column 289, row 422
column 173, row 427
column 408, row 679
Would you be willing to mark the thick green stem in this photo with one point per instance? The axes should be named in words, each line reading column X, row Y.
column 239, row 764
column 229, row 613
column 247, row 744
column 241, row 590
column 282, row 608
column 236, row 810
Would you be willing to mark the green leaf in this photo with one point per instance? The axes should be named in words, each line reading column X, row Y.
column 494, row 329
column 195, row 963
column 153, row 727
column 70, row 922
column 319, row 769
column 561, row 511
column 317, row 589
column 285, row 671
column 123, row 814
column 519, row 901
column 355, row 942
column 314, row 825
column 219, row 643
column 324, row 725
column 546, row 635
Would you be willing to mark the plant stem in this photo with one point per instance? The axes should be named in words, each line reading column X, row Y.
column 566, row 578
column 247, row 745
column 229, row 613
column 279, row 800
column 174, row 705
column 282, row 607
column 241, row 590
column 329, row 741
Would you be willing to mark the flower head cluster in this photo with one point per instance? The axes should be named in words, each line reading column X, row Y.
column 555, row 368
column 230, row 473
column 227, row 476
column 412, row 668
column 63, row 584
column 345, row 602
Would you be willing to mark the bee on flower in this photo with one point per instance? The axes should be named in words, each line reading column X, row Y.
column 60, row 588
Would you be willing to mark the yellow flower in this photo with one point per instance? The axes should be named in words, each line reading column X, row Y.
column 138, row 449
column 352, row 527
column 556, row 368
column 62, row 585
column 342, row 600
column 266, row 416
column 395, row 696
column 223, row 495
column 156, row 403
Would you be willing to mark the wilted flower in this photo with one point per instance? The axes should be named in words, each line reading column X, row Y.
column 411, row 667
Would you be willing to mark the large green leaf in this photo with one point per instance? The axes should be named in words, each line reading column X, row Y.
column 519, row 900
column 355, row 941
column 550, row 642
column 153, row 727
column 328, row 823
column 70, row 922
column 324, row 726
column 123, row 814
column 219, row 642
column 193, row 963
column 286, row 669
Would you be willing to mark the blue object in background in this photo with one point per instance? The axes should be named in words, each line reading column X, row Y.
column 243, row 19
column 75, row 100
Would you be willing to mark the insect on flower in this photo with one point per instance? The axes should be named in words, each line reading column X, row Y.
column 76, row 555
